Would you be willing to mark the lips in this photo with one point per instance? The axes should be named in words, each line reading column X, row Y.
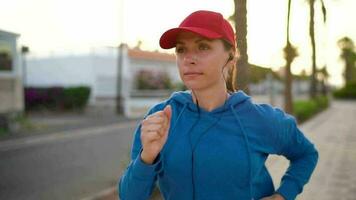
column 193, row 73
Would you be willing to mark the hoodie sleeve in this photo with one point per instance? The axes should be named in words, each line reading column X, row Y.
column 301, row 153
column 138, row 180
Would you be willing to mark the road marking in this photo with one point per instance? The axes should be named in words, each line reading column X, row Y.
column 102, row 194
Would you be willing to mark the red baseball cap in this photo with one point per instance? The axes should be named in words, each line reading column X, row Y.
column 208, row 24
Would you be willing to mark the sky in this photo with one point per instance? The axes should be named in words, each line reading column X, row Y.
column 71, row 26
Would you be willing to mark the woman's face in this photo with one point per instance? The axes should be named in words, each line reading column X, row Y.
column 201, row 61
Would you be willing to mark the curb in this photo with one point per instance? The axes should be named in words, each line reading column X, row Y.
column 34, row 140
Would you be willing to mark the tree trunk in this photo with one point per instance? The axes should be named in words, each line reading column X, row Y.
column 290, row 54
column 119, row 98
column 240, row 17
column 288, row 97
column 313, row 89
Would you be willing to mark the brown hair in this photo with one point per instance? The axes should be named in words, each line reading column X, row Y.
column 232, row 73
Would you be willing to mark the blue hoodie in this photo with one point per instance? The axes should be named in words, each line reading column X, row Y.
column 221, row 154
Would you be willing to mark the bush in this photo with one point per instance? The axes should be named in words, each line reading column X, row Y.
column 75, row 97
column 56, row 98
column 148, row 80
column 347, row 92
column 323, row 102
column 304, row 109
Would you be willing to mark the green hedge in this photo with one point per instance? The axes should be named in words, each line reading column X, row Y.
column 75, row 97
column 347, row 92
column 57, row 98
column 304, row 109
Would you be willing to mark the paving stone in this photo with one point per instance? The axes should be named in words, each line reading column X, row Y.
column 334, row 134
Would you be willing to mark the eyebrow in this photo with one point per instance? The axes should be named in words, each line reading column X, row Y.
column 196, row 41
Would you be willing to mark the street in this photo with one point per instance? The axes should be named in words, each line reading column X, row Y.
column 67, row 165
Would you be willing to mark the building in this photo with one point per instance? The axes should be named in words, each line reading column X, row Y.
column 107, row 71
column 11, row 85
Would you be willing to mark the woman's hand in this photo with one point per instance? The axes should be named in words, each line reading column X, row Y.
column 154, row 133
column 274, row 197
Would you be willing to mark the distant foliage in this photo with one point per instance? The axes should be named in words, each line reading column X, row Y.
column 152, row 80
column 56, row 98
column 258, row 74
column 348, row 54
column 75, row 97
column 305, row 109
column 347, row 92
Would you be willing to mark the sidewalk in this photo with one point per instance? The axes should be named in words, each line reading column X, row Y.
column 334, row 134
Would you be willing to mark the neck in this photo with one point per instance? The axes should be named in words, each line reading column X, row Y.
column 210, row 99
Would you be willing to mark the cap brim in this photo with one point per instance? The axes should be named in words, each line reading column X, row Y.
column 169, row 38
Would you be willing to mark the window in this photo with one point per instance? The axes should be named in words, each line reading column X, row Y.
column 6, row 60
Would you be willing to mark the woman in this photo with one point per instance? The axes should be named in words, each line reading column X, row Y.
column 211, row 142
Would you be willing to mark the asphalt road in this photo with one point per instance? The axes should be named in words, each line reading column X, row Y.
column 65, row 165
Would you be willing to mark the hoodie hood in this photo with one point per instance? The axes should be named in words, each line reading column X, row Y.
column 185, row 98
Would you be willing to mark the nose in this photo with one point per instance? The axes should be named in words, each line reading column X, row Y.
column 190, row 58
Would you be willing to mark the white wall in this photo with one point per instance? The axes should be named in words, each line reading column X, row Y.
column 60, row 71
column 105, row 74
column 97, row 70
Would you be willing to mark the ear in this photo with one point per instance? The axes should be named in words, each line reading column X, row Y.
column 231, row 60
column 231, row 56
column 227, row 68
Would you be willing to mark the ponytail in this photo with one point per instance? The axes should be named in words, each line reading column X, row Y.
column 230, row 81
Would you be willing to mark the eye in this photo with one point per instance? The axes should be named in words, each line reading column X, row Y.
column 203, row 46
column 180, row 49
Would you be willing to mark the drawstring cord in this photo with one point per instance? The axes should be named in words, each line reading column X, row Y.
column 198, row 140
column 173, row 128
column 180, row 114
column 248, row 149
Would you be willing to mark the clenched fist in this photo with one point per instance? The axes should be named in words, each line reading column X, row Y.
column 154, row 133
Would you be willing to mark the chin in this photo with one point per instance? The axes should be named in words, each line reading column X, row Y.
column 201, row 85
column 194, row 86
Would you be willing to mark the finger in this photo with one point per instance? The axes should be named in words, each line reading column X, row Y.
column 167, row 116
column 168, row 112
column 156, row 119
column 151, row 136
column 158, row 113
column 165, row 128
column 153, row 120
column 152, row 127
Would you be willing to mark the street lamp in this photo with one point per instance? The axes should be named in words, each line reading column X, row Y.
column 24, row 50
column 119, row 99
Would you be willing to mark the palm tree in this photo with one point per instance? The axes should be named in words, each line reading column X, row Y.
column 348, row 54
column 290, row 52
column 240, row 19
column 324, row 75
column 313, row 84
